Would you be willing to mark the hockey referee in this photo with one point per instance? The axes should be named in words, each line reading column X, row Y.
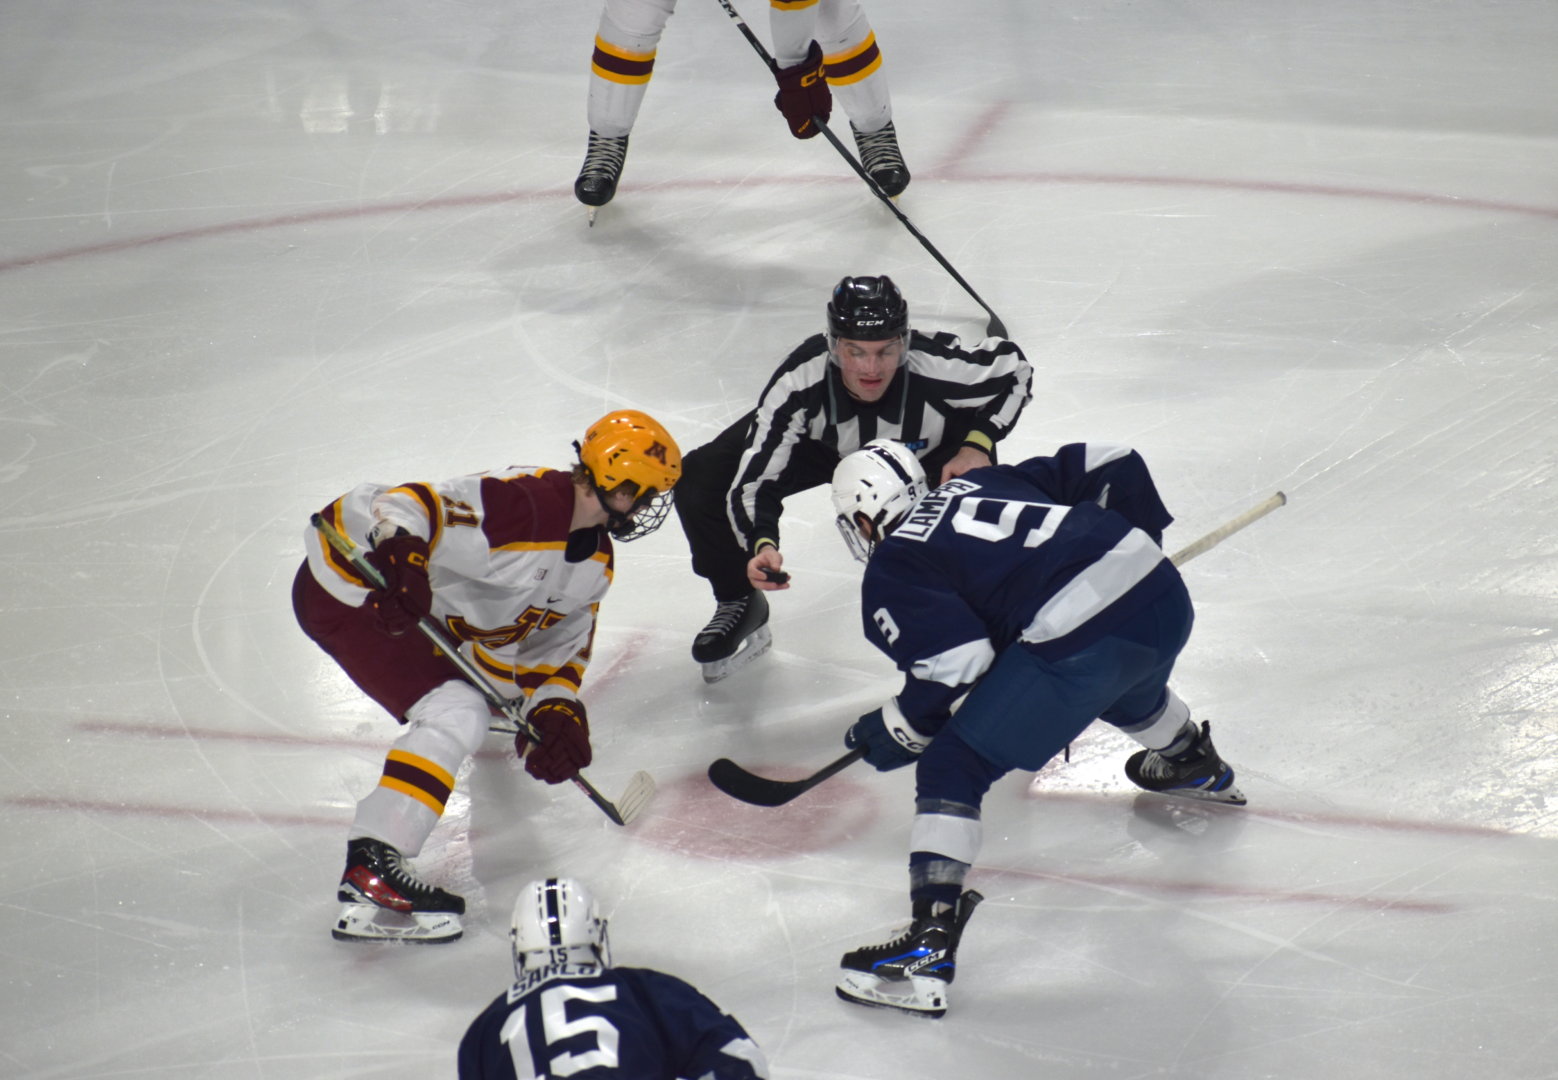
column 869, row 377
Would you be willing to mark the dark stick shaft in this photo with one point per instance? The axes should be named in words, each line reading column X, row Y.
column 451, row 649
column 996, row 327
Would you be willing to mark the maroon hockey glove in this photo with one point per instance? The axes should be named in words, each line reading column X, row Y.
column 565, row 740
column 407, row 594
column 803, row 94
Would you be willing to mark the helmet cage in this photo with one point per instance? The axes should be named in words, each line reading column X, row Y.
column 630, row 447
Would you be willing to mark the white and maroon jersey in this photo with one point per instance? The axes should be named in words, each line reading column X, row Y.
column 509, row 583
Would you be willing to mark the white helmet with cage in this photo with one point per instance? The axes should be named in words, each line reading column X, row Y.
column 876, row 486
column 557, row 921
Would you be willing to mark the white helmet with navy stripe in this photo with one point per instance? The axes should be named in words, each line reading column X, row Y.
column 874, row 489
column 557, row 921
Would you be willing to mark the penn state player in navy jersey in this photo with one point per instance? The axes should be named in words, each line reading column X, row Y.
column 1040, row 591
column 571, row 1014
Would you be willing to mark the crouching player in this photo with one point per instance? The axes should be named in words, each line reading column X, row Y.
column 512, row 565
column 1041, row 592
column 570, row 1012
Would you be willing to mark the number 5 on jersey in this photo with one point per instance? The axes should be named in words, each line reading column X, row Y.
column 556, row 1026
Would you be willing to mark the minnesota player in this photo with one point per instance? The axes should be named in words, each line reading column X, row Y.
column 869, row 376
column 1041, row 592
column 570, row 1012
column 818, row 45
column 511, row 564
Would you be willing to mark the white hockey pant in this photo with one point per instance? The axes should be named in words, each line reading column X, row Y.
column 629, row 37
column 625, row 46
column 442, row 729
column 854, row 64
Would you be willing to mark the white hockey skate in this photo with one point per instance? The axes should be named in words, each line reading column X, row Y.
column 737, row 635
column 384, row 900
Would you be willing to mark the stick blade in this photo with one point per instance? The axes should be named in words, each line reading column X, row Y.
column 641, row 788
column 747, row 787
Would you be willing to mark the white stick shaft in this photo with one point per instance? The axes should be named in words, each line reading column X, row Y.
column 1223, row 532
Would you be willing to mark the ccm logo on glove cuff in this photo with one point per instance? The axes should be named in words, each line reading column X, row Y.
column 898, row 727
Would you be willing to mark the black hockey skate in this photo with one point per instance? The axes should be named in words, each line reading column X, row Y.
column 597, row 182
column 909, row 972
column 1197, row 773
column 881, row 157
column 737, row 635
column 386, row 901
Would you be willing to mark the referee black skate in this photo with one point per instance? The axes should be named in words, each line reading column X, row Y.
column 869, row 377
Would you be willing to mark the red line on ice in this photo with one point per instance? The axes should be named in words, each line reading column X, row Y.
column 245, row 817
column 1230, row 892
column 948, row 174
column 1300, row 817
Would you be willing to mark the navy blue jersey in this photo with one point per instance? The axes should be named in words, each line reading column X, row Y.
column 1055, row 552
column 589, row 1023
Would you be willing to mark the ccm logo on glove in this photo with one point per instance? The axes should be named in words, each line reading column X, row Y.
column 803, row 94
column 565, row 740
column 407, row 595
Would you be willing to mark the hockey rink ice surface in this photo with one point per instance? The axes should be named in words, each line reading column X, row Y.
column 256, row 253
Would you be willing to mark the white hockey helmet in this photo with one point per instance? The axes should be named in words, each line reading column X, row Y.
column 557, row 921
column 878, row 484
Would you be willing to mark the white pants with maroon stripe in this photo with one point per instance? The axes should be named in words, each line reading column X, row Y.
column 442, row 729
column 629, row 37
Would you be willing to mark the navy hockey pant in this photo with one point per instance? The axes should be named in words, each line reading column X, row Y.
column 1026, row 710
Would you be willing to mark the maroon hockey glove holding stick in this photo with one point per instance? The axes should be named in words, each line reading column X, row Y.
column 407, row 594
column 803, row 94
column 565, row 740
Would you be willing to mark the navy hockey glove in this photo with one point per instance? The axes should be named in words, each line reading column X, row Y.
column 803, row 93
column 565, row 740
column 407, row 594
column 890, row 741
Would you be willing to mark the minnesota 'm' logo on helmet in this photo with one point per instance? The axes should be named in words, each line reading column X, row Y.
column 630, row 447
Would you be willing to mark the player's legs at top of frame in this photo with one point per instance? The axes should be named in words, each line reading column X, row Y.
column 623, row 62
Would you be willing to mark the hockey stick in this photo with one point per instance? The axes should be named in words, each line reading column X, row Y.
column 748, row 787
column 996, row 327
column 1223, row 532
column 640, row 788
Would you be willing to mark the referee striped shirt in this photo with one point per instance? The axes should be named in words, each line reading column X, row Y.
column 941, row 392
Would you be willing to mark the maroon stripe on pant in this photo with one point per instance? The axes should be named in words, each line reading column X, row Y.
column 636, row 69
column 417, row 778
column 845, row 69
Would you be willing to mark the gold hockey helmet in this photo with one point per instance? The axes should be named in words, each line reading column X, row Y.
column 627, row 446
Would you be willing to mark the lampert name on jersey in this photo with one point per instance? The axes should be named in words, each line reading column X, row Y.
column 926, row 516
